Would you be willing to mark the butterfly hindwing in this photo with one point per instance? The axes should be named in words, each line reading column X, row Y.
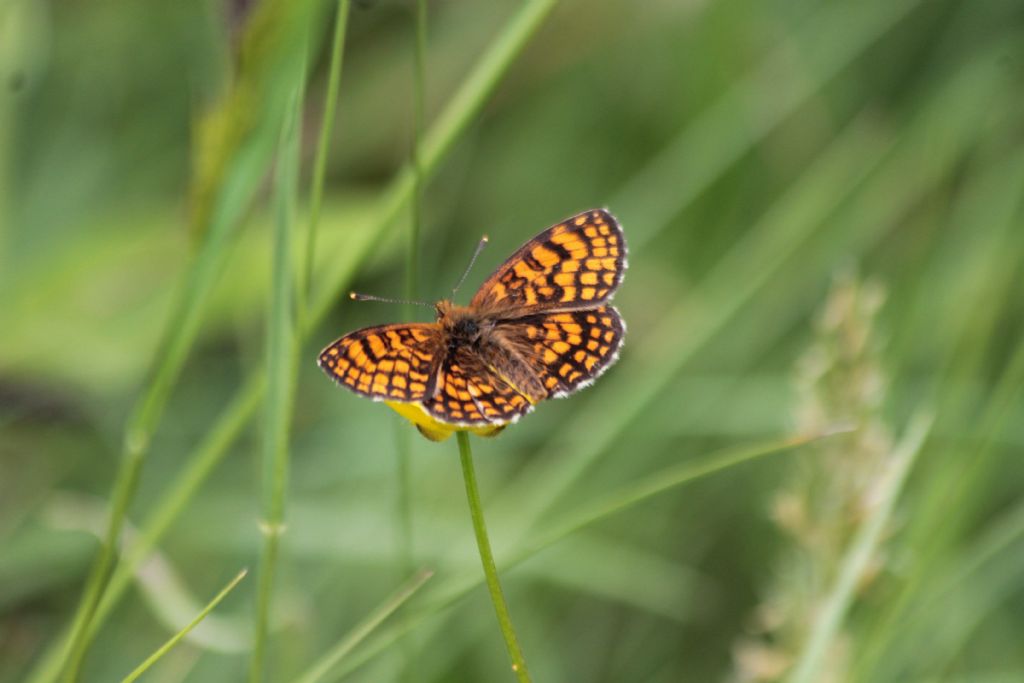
column 577, row 263
column 470, row 392
column 568, row 349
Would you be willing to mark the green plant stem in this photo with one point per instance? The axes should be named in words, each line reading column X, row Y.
column 403, row 448
column 412, row 253
column 322, row 148
column 419, row 176
column 487, row 559
column 281, row 374
column 403, row 512
column 403, row 436
column 124, row 489
column 177, row 637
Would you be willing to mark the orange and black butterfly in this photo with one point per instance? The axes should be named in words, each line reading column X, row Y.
column 539, row 327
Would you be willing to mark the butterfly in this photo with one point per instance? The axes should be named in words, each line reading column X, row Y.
column 539, row 327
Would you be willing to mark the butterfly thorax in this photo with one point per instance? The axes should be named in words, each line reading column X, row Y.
column 462, row 325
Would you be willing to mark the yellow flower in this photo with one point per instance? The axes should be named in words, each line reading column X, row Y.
column 434, row 429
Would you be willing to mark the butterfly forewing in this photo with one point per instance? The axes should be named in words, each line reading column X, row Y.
column 394, row 362
column 577, row 263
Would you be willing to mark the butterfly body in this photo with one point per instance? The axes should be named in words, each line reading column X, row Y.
column 538, row 328
column 461, row 325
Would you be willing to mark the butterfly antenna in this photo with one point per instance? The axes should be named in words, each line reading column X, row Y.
column 479, row 247
column 356, row 296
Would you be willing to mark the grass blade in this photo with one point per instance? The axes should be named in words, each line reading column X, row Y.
column 281, row 377
column 403, row 436
column 891, row 619
column 322, row 146
column 358, row 634
column 664, row 481
column 974, row 588
column 169, row 645
column 419, row 175
column 830, row 39
column 863, row 547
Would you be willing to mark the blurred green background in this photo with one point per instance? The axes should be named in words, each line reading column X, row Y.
column 768, row 161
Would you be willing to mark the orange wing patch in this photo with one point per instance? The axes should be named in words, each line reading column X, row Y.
column 469, row 393
column 572, row 348
column 577, row 263
column 392, row 362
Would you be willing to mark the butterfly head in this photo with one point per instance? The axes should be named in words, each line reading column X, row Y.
column 461, row 323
